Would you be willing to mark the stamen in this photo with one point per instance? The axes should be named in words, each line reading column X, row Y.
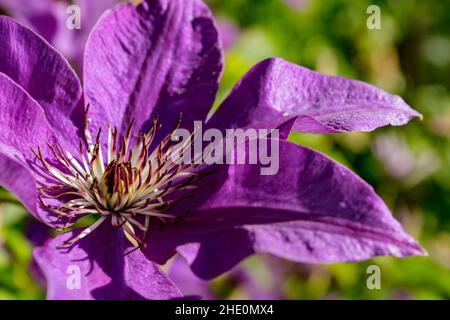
column 133, row 186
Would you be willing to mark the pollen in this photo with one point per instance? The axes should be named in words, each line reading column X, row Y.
column 126, row 181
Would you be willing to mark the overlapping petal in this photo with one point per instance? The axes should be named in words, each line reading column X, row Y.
column 188, row 283
column 17, row 179
column 96, row 268
column 161, row 58
column 24, row 125
column 275, row 91
column 44, row 74
column 313, row 210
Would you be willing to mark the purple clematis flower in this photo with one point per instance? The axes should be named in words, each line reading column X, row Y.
column 155, row 61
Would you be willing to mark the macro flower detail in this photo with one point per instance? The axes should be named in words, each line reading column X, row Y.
column 127, row 186
column 159, row 60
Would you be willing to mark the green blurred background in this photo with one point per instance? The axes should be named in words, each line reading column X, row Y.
column 408, row 166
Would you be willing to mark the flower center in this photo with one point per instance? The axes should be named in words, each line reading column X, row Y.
column 116, row 182
column 134, row 186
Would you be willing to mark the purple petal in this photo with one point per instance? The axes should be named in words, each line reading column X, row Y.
column 24, row 125
column 275, row 91
column 44, row 74
column 161, row 57
column 248, row 282
column 313, row 210
column 37, row 233
column 17, row 179
column 188, row 283
column 105, row 272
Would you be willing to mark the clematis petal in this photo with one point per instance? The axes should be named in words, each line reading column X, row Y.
column 275, row 91
column 16, row 178
column 188, row 283
column 24, row 125
column 96, row 268
column 158, row 58
column 251, row 284
column 44, row 74
column 313, row 210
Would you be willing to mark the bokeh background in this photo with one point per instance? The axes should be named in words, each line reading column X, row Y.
column 408, row 166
